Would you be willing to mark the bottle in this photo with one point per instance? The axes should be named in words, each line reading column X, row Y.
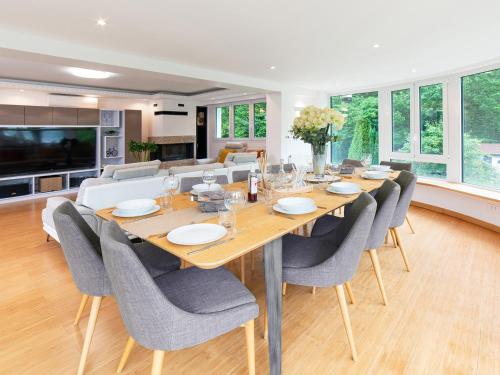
column 281, row 179
column 252, row 185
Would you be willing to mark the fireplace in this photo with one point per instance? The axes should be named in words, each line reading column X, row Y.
column 174, row 151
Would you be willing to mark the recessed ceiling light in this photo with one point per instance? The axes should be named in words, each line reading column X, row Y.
column 21, row 90
column 244, row 93
column 414, row 70
column 376, row 45
column 212, row 98
column 272, row 67
column 90, row 73
column 101, row 22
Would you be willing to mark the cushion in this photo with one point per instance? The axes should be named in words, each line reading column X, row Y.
column 201, row 291
column 245, row 157
column 156, row 260
column 223, row 154
column 124, row 174
column 90, row 182
column 235, row 146
column 325, row 224
column 195, row 168
column 109, row 170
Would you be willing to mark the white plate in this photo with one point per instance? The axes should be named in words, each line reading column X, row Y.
column 331, row 190
column 296, row 204
column 136, row 205
column 196, row 189
column 380, row 168
column 374, row 175
column 344, row 187
column 278, row 208
column 119, row 213
column 325, row 178
column 196, row 234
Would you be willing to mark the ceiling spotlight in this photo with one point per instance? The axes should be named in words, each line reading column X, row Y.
column 101, row 22
column 244, row 93
column 414, row 70
column 376, row 45
column 21, row 90
column 89, row 73
column 272, row 67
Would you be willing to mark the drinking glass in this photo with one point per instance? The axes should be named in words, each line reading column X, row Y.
column 234, row 200
column 209, row 177
column 268, row 199
column 227, row 219
column 170, row 185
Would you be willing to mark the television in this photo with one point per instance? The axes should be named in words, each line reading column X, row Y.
column 44, row 150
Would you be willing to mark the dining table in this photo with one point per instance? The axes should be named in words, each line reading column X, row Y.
column 257, row 226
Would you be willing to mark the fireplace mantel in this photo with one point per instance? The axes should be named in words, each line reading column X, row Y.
column 166, row 140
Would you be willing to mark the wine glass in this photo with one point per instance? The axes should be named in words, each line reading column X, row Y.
column 234, row 200
column 209, row 177
column 170, row 184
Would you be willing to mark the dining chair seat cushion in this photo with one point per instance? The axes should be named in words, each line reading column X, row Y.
column 155, row 260
column 325, row 224
column 201, row 291
column 303, row 252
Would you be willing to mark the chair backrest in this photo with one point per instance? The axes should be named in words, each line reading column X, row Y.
column 387, row 198
column 407, row 181
column 353, row 163
column 82, row 251
column 397, row 166
column 275, row 168
column 188, row 182
column 350, row 238
column 149, row 316
column 241, row 175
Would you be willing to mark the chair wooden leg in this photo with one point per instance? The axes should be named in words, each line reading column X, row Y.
column 313, row 290
column 249, row 333
column 394, row 240
column 158, row 356
column 409, row 224
column 83, row 302
column 283, row 288
column 126, row 353
column 378, row 274
column 183, row 264
column 266, row 331
column 94, row 311
column 401, row 248
column 242, row 269
column 348, row 288
column 48, row 237
column 347, row 321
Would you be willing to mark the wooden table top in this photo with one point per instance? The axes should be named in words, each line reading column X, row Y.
column 255, row 225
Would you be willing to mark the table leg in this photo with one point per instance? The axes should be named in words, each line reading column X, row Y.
column 273, row 270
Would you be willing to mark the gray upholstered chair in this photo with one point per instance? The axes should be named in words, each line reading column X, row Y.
column 275, row 168
column 82, row 250
column 353, row 163
column 187, row 183
column 387, row 198
column 332, row 258
column 400, row 166
column 179, row 309
column 407, row 181
column 239, row 176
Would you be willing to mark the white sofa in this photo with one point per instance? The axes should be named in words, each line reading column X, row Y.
column 112, row 187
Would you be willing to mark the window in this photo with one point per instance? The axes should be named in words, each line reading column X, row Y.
column 481, row 129
column 259, row 120
column 426, row 169
column 431, row 119
column 241, row 121
column 222, row 122
column 401, row 124
column 359, row 135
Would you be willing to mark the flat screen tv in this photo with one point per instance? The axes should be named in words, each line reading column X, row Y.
column 39, row 150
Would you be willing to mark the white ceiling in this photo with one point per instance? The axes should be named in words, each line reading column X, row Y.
column 317, row 44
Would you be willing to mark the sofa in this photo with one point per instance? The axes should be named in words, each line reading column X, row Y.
column 233, row 153
column 123, row 182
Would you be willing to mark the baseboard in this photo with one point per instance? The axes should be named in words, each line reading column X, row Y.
column 458, row 215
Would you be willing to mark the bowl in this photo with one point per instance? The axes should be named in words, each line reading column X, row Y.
column 375, row 174
column 380, row 168
column 295, row 203
column 204, row 187
column 344, row 187
column 136, row 205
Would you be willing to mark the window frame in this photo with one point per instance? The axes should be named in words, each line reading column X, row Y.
column 251, row 120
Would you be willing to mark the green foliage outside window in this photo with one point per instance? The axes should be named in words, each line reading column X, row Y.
column 259, row 122
column 222, row 116
column 431, row 119
column 241, row 121
column 401, row 125
column 358, row 139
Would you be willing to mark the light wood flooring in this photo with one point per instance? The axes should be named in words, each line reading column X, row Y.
column 443, row 317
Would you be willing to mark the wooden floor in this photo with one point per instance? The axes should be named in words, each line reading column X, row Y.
column 442, row 318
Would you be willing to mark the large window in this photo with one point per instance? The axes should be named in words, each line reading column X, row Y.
column 401, row 120
column 431, row 119
column 481, row 129
column 359, row 135
column 241, row 121
column 259, row 120
column 222, row 122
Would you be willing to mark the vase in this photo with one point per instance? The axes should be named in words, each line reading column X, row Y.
column 319, row 161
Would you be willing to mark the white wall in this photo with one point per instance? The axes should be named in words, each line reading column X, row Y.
column 39, row 98
column 168, row 125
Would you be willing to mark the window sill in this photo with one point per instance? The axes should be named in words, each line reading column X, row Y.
column 461, row 188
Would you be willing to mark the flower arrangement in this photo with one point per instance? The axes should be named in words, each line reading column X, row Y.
column 313, row 126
